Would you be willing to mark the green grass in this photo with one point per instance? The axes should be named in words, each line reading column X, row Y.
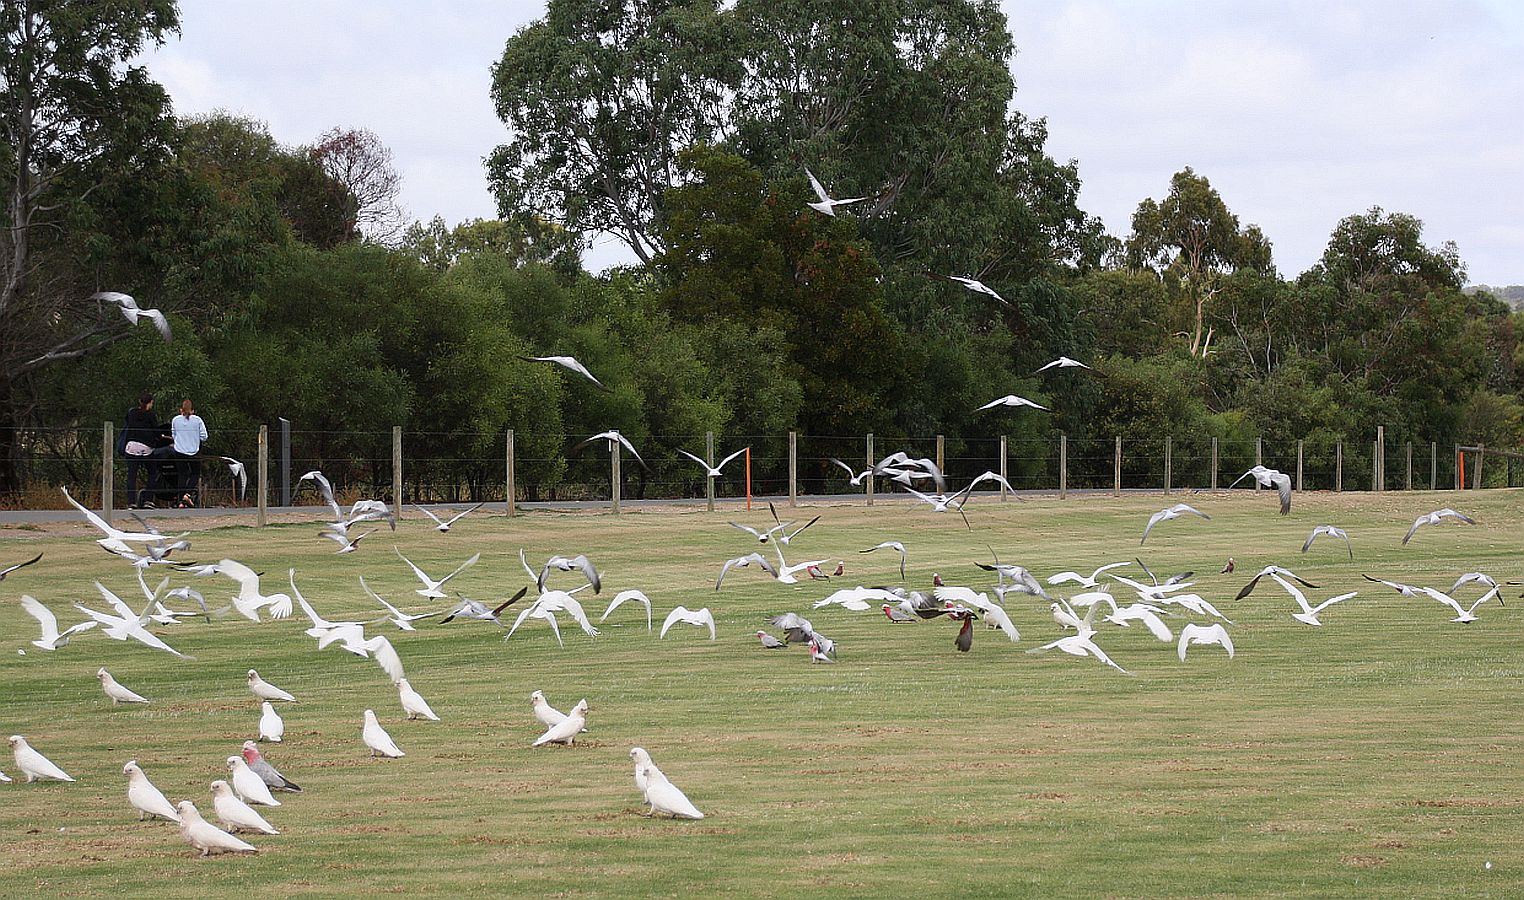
column 1377, row 755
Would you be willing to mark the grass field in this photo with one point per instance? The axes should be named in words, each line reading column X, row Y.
column 1378, row 755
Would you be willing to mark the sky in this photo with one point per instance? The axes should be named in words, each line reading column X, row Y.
column 1300, row 113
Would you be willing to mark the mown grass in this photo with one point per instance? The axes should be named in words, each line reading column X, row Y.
column 1377, row 755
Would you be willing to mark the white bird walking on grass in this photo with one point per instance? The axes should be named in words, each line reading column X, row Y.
column 250, row 787
column 1204, row 634
column 1169, row 513
column 148, row 800
column 547, row 715
column 700, row 618
column 236, row 815
column 1435, row 518
column 566, row 730
column 413, row 703
column 271, row 726
column 1331, row 531
column 443, row 525
column 34, row 765
column 377, row 739
column 51, row 638
column 115, row 690
column 205, row 836
column 665, row 797
column 431, row 588
column 264, row 690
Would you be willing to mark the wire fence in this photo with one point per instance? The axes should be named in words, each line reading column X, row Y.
column 471, row 466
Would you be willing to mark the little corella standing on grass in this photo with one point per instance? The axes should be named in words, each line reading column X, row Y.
column 377, row 739
column 264, row 690
column 566, row 731
column 34, row 765
column 236, row 815
column 148, row 800
column 115, row 690
column 249, row 786
column 271, row 726
column 413, row 703
column 205, row 836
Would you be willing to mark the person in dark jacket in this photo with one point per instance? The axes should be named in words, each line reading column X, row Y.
column 142, row 434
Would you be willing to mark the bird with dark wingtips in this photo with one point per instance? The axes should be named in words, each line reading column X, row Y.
column 1268, row 477
column 769, row 642
column 965, row 640
column 9, row 569
column 267, row 773
column 1273, row 570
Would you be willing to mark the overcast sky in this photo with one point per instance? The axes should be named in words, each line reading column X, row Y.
column 1299, row 113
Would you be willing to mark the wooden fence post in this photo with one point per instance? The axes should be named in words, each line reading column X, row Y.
column 1116, row 483
column 1063, row 467
column 1433, row 465
column 1299, row 444
column 1214, row 464
column 1169, row 446
column 1004, row 448
column 1338, row 466
column 1458, row 464
column 871, row 461
column 708, row 479
column 1408, row 481
column 108, row 471
column 793, row 468
column 1378, row 461
column 510, row 489
column 616, row 481
column 262, row 475
column 1476, row 475
column 397, row 470
column 941, row 452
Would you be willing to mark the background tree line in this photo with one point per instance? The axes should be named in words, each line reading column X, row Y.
column 683, row 128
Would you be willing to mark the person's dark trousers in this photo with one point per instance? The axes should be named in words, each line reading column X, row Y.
column 188, row 468
column 136, row 464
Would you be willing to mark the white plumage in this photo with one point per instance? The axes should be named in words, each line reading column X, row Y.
column 566, row 731
column 34, row 765
column 144, row 797
column 1205, row 634
column 250, row 787
column 205, row 836
column 264, row 690
column 700, row 617
column 236, row 815
column 413, row 703
column 377, row 739
column 115, row 690
column 271, row 726
column 665, row 797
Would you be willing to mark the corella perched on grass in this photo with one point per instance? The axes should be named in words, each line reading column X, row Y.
column 236, row 815
column 377, row 739
column 34, row 765
column 264, row 690
column 115, row 690
column 250, row 787
column 148, row 800
column 566, row 730
column 663, row 796
column 271, row 726
column 205, row 836
column 413, row 703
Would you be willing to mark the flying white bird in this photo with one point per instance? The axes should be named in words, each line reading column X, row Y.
column 1273, row 571
column 250, row 787
column 249, row 600
column 134, row 313
column 326, row 489
column 994, row 614
column 115, row 690
column 34, row 765
column 271, row 727
column 444, row 524
column 413, row 703
column 475, row 609
column 1063, row 362
column 9, row 569
column 51, row 638
column 264, row 690
column 431, row 588
column 1091, row 598
column 239, row 473
column 377, row 739
column 897, row 547
column 1172, row 512
column 854, row 477
column 1473, row 578
column 205, row 836
column 1023, row 580
column 666, row 798
column 566, row 730
column 700, row 618
column 236, row 815
column 613, row 436
column 550, row 603
column 825, row 204
column 976, row 286
column 129, row 626
column 1309, row 613
column 1434, row 518
column 742, row 562
column 1080, row 645
column 858, row 599
column 1267, row 477
column 567, row 362
column 116, row 540
column 714, row 470
column 1463, row 615
column 148, row 800
column 1088, row 581
column 1011, row 400
column 346, row 543
column 564, row 564
column 635, row 595
column 403, row 621
column 381, row 650
column 1142, row 612
column 1331, row 531
column 1205, row 634
column 1195, row 603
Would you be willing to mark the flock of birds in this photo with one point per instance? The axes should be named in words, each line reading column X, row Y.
column 1080, row 605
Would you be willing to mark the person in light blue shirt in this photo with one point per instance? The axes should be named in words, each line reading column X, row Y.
column 188, row 432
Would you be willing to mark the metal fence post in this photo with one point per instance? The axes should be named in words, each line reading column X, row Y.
column 1214, row 464
column 1455, row 466
column 285, row 461
column 1063, row 467
column 709, row 479
column 262, row 476
column 509, row 488
column 615, row 480
column 793, row 468
column 871, row 461
column 1299, row 444
column 1116, row 484
column 1169, row 447
column 397, row 470
column 941, row 452
column 1338, row 466
column 1004, row 448
column 108, row 470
